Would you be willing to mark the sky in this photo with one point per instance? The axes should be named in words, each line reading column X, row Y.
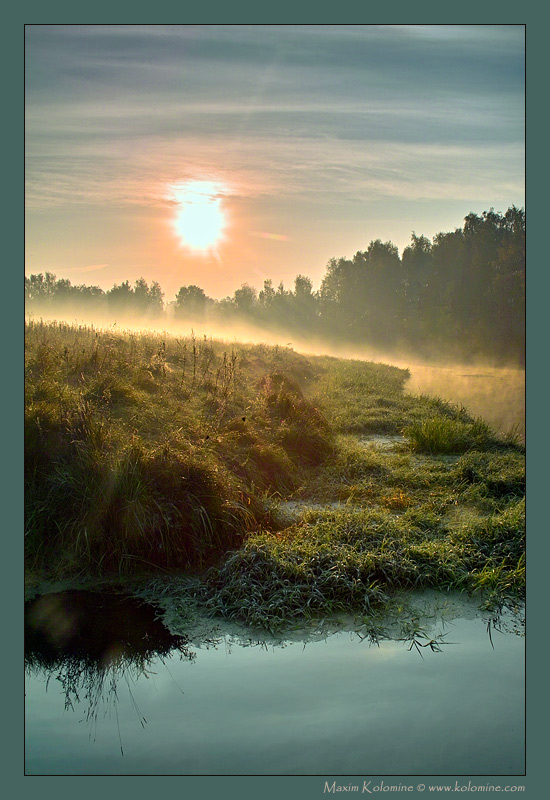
column 222, row 155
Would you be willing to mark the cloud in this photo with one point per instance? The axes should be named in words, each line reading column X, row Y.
column 317, row 170
column 115, row 114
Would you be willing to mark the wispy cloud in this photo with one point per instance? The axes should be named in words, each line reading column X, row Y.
column 115, row 113
column 301, row 167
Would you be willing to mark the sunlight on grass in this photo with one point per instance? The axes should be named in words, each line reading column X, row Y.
column 147, row 452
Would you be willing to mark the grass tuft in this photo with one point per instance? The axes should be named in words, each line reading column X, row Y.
column 440, row 435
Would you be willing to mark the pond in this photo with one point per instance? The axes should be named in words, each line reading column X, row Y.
column 110, row 691
column 495, row 394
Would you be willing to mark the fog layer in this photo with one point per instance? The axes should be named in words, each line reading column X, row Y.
column 494, row 392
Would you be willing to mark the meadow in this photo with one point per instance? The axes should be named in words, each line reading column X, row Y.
column 151, row 457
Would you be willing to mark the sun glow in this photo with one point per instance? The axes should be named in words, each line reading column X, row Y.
column 200, row 220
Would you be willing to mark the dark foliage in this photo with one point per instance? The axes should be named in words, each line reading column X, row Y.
column 461, row 295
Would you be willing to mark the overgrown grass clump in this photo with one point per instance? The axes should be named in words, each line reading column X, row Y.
column 441, row 434
column 143, row 450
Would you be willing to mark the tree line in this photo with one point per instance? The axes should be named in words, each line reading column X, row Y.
column 460, row 294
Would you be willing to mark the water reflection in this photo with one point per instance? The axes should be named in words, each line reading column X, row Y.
column 315, row 702
column 91, row 642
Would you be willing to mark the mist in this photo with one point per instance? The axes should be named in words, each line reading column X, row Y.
column 495, row 392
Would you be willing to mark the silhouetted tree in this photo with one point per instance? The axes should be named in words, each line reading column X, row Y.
column 147, row 300
column 245, row 299
column 192, row 302
column 462, row 293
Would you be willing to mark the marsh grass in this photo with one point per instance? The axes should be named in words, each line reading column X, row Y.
column 147, row 452
column 438, row 527
column 353, row 560
column 441, row 434
column 362, row 397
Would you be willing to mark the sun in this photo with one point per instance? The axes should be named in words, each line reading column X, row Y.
column 200, row 220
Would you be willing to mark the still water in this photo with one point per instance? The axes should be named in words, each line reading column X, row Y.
column 154, row 704
column 495, row 394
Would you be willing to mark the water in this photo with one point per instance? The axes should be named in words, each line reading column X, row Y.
column 339, row 705
column 495, row 394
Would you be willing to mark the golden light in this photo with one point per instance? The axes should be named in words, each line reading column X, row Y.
column 200, row 220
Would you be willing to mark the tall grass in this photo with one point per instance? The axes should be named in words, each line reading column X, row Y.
column 150, row 452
